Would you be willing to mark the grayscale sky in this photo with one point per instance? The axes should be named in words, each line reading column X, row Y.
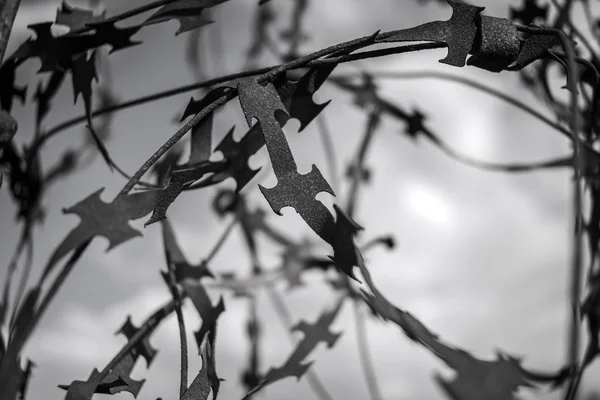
column 482, row 257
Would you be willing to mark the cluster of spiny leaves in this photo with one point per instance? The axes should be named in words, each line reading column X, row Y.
column 269, row 97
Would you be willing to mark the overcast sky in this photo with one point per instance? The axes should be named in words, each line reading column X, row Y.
column 482, row 257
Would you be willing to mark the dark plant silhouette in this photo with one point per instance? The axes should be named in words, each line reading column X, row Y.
column 528, row 44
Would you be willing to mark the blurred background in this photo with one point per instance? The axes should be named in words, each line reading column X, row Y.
column 482, row 258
